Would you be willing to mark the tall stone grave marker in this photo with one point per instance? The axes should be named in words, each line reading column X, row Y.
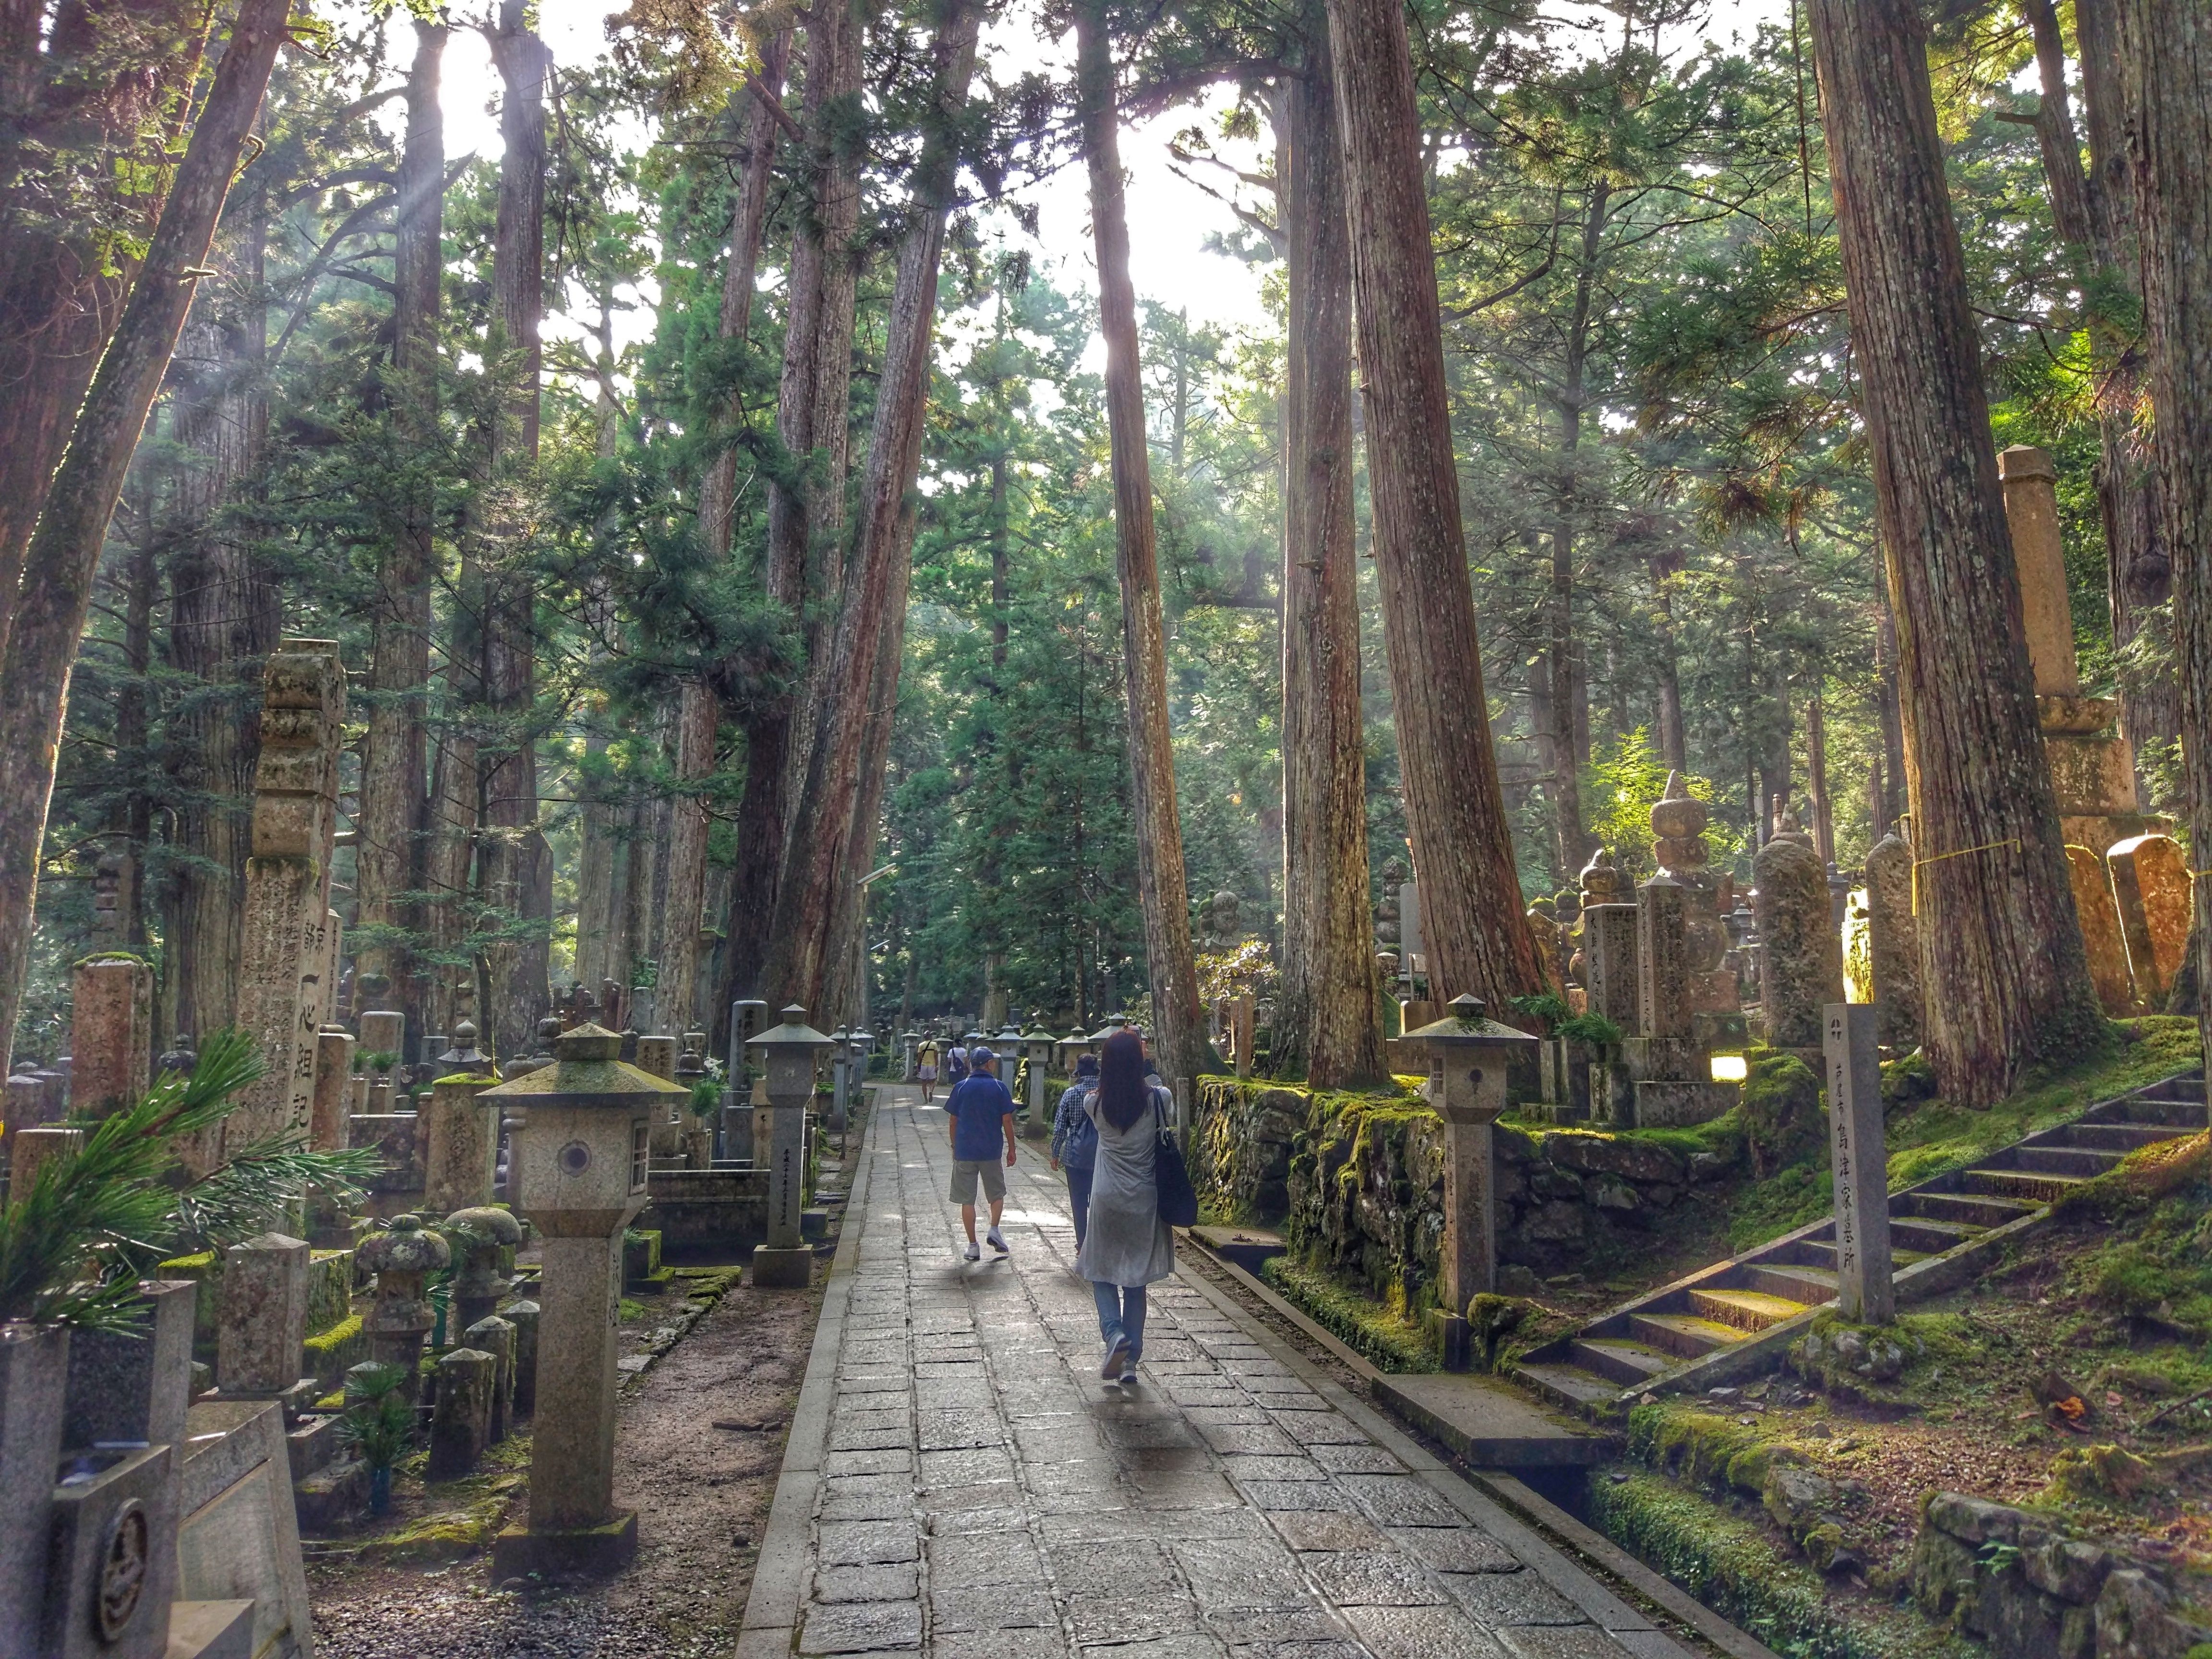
column 1865, row 1291
column 2150, row 880
column 263, row 1317
column 1894, row 944
column 285, row 962
column 1609, row 946
column 2102, row 935
column 1801, row 957
column 111, row 1034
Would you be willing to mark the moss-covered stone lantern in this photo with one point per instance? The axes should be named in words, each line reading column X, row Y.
column 582, row 1145
column 789, row 1053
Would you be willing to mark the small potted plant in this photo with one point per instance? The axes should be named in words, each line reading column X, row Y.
column 377, row 1426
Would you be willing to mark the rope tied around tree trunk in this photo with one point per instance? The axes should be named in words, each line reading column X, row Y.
column 1918, row 865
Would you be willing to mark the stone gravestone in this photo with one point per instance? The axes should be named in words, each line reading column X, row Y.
column 460, row 1133
column 461, row 1424
column 1894, row 944
column 2102, row 934
column 523, row 1315
column 285, row 960
column 1865, row 1291
column 400, row 1319
column 35, row 1148
column 2150, row 881
column 262, row 1319
column 1801, row 958
column 1610, row 947
column 1243, row 1033
column 333, row 1090
column 657, row 1055
column 1662, row 974
column 384, row 1031
column 496, row 1336
column 111, row 1034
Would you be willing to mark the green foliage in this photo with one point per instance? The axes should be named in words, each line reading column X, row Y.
column 378, row 1425
column 1783, row 1121
column 1392, row 1342
column 73, row 1246
column 1548, row 1007
column 1624, row 779
column 1594, row 1028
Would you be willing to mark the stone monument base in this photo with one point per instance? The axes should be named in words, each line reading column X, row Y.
column 591, row 1552
column 782, row 1270
column 1666, row 1104
column 211, row 1630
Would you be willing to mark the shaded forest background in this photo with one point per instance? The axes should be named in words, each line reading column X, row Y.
column 1669, row 513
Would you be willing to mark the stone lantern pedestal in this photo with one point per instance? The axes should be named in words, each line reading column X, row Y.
column 1037, row 1046
column 1467, row 1055
column 788, row 1052
column 581, row 1150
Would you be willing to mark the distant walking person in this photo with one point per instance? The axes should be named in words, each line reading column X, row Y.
column 956, row 1063
column 926, row 1072
column 1075, row 1142
column 1126, row 1246
column 983, row 1114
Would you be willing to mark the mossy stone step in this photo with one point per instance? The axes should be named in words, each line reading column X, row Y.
column 1568, row 1385
column 1981, row 1209
column 2041, row 1188
column 2185, row 1115
column 1685, row 1336
column 2120, row 1137
column 2064, row 1160
column 1621, row 1360
column 1750, row 1311
column 1790, row 1281
column 1919, row 1233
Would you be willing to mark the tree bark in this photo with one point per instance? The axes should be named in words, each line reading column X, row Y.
column 864, row 651
column 393, row 805
column 515, row 874
column 814, row 331
column 2094, row 214
column 1822, row 827
column 2166, row 52
column 1477, row 937
column 1674, row 739
column 2000, row 940
column 1179, row 1036
column 1327, row 1020
column 63, row 554
column 696, row 721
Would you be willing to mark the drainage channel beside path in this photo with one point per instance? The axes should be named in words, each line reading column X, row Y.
column 960, row 1482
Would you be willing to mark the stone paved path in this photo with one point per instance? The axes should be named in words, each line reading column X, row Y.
column 961, row 1482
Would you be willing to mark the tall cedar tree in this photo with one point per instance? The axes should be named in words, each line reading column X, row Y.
column 2167, row 51
column 1998, row 931
column 851, row 709
column 1179, row 1036
column 63, row 553
column 1472, row 920
column 1328, row 1006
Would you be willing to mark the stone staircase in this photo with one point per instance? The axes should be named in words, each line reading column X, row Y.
column 1732, row 1320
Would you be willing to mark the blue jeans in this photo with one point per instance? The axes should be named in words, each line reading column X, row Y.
column 1121, row 1316
column 1078, row 1200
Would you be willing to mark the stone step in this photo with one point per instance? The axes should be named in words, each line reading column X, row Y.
column 1750, row 1310
column 1781, row 1279
column 1981, row 1209
column 2063, row 1160
column 2040, row 1188
column 1567, row 1385
column 1919, row 1233
column 2122, row 1138
column 2184, row 1114
column 1618, row 1359
column 1822, row 1255
column 1685, row 1336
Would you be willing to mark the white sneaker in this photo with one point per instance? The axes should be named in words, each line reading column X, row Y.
column 971, row 1252
column 1116, row 1359
column 1128, row 1374
column 998, row 1243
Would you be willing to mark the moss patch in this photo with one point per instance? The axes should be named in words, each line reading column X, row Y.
column 1394, row 1342
column 329, row 1353
column 1734, row 1566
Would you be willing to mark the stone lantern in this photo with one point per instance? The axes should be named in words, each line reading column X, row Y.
column 484, row 1234
column 841, row 1077
column 909, row 1054
column 400, row 1319
column 1073, row 1047
column 1468, row 1054
column 1037, row 1046
column 582, row 1145
column 745, row 1115
column 788, row 1052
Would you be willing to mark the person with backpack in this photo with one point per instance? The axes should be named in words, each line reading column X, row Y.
column 1128, row 1244
column 983, row 1114
column 926, row 1072
column 956, row 1063
column 1075, row 1142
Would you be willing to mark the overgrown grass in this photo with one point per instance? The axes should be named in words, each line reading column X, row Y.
column 1931, row 1137
column 1392, row 1341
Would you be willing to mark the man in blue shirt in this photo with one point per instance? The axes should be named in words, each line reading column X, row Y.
column 983, row 1114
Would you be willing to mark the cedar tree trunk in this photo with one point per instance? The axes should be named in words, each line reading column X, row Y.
column 63, row 555
column 2001, row 947
column 1179, row 1036
column 1328, row 1018
column 1472, row 922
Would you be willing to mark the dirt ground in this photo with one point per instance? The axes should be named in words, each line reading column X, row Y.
column 699, row 1445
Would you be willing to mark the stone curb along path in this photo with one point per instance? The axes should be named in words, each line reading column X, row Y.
column 958, row 1481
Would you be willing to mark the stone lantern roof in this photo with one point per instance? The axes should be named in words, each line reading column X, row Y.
column 587, row 1071
column 794, row 1030
column 1466, row 1025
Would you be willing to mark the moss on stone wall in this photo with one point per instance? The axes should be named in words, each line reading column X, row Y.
column 1392, row 1341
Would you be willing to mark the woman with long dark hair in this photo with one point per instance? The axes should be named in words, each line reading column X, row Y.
column 1126, row 1246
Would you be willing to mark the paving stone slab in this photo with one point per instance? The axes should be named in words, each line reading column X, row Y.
column 1272, row 1495
column 1373, row 1579
column 867, row 1543
column 1125, row 1618
column 1355, row 1457
column 889, row 1582
column 862, row 1627
column 893, row 1460
column 1456, row 1549
column 1327, row 1529
column 1497, row 1599
column 1420, row 1633
column 1248, row 1465
column 1569, row 1641
column 992, row 1606
column 1005, row 1516
column 1401, row 1501
column 968, row 1560
column 965, row 1468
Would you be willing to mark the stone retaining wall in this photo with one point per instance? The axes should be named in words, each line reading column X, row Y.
column 1355, row 1182
column 2009, row 1576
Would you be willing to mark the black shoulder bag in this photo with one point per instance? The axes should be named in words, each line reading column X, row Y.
column 1178, row 1199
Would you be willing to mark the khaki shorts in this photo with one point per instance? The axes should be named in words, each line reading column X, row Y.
column 966, row 1170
